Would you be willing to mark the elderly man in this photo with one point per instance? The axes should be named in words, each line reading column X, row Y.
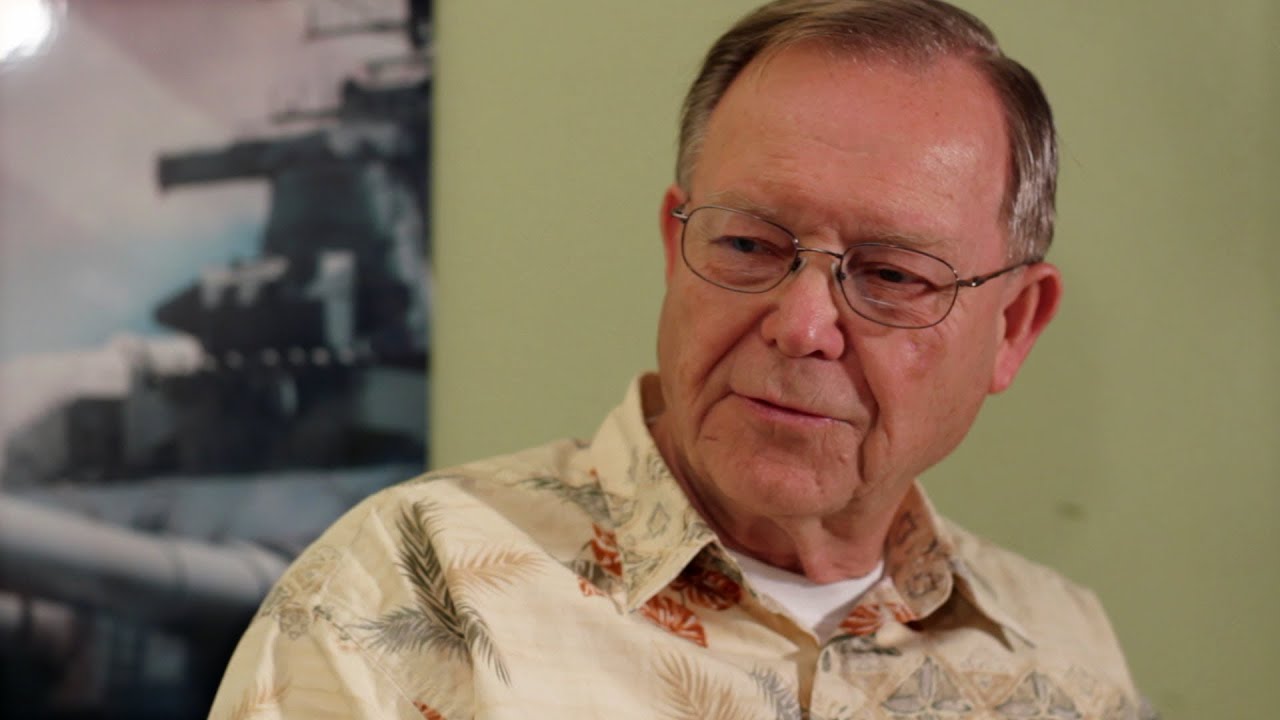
column 854, row 261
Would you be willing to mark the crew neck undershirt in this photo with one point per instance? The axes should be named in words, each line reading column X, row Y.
column 819, row 607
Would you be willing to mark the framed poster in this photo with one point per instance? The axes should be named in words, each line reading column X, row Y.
column 214, row 305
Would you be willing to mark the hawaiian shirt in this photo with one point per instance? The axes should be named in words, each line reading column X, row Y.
column 575, row 580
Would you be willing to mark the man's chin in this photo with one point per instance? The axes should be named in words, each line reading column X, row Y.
column 785, row 488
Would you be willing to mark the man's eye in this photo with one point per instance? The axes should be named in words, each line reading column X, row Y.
column 743, row 245
column 889, row 275
column 893, row 275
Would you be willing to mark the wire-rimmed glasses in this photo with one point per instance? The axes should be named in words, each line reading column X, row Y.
column 885, row 283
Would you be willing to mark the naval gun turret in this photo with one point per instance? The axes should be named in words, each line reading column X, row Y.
column 344, row 252
column 297, row 357
column 152, row 489
column 331, row 317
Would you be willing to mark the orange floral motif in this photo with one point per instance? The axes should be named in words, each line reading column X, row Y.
column 868, row 618
column 605, row 547
column 588, row 590
column 708, row 588
column 427, row 711
column 902, row 613
column 864, row 620
column 675, row 619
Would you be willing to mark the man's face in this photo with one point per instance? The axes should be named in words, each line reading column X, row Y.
column 787, row 403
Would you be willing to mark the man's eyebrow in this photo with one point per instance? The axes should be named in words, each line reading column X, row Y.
column 896, row 237
column 738, row 201
column 877, row 233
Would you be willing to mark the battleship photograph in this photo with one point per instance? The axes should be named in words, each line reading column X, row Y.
column 215, row 296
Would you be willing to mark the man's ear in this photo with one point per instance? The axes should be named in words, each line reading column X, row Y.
column 671, row 227
column 1033, row 304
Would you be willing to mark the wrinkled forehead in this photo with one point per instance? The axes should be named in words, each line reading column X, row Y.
column 900, row 50
column 921, row 145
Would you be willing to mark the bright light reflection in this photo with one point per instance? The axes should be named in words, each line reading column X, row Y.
column 24, row 26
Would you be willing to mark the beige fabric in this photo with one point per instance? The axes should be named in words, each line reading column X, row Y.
column 575, row 581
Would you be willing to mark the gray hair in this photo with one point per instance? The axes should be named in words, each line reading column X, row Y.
column 912, row 30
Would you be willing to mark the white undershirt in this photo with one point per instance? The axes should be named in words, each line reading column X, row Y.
column 820, row 607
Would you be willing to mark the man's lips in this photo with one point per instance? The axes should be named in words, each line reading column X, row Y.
column 785, row 411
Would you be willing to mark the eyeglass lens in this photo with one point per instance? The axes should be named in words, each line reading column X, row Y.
column 884, row 283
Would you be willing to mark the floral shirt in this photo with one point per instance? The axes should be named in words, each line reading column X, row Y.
column 575, row 580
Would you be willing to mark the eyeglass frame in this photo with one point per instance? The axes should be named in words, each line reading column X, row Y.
column 797, row 264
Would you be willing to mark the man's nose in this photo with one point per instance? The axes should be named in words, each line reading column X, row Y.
column 805, row 320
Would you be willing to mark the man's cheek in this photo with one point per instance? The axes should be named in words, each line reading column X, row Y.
column 921, row 354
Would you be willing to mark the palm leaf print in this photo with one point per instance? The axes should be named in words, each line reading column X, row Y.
column 782, row 698
column 593, row 500
column 690, row 695
column 493, row 568
column 409, row 628
column 437, row 621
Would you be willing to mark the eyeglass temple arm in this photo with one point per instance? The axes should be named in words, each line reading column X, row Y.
column 978, row 281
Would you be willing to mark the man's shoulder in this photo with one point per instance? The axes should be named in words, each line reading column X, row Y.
column 1007, row 567
column 535, row 501
column 1056, row 614
column 516, row 489
column 558, row 476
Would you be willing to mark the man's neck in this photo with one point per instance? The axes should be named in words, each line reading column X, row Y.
column 846, row 544
column 840, row 546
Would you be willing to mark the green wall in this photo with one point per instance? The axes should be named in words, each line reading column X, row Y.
column 1138, row 451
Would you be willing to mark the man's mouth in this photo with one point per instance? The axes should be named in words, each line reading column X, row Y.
column 785, row 412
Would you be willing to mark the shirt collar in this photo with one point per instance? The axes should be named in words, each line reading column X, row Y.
column 659, row 532
column 926, row 566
